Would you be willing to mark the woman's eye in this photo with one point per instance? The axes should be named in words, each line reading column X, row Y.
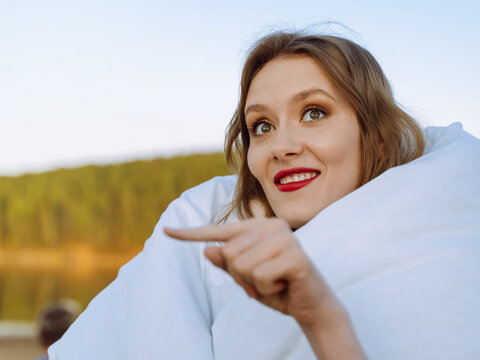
column 312, row 114
column 263, row 128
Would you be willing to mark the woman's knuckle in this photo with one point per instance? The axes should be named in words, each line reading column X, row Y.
column 296, row 254
column 258, row 275
column 275, row 222
column 240, row 267
column 227, row 251
column 282, row 224
column 263, row 286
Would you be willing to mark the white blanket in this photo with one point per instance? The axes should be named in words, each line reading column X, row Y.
column 402, row 253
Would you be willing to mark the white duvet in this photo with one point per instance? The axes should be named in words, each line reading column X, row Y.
column 402, row 253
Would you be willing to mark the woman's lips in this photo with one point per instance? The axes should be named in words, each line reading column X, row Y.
column 294, row 185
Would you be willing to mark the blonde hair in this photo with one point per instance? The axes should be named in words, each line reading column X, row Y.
column 388, row 135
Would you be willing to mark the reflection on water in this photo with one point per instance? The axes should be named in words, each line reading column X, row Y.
column 25, row 289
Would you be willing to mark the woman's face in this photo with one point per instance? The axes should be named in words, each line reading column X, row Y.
column 304, row 138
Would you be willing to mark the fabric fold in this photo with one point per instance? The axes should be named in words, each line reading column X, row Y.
column 157, row 307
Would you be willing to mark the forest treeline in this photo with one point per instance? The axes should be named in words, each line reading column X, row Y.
column 105, row 207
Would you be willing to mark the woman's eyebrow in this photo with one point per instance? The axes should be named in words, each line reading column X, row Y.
column 306, row 93
column 300, row 96
column 257, row 108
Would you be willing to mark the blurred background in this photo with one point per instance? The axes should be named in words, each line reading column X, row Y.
column 110, row 109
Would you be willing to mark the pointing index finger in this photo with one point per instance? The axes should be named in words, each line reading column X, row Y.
column 222, row 232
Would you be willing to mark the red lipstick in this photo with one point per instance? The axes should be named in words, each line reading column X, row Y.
column 295, row 185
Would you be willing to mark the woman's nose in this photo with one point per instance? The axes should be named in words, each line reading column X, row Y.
column 286, row 144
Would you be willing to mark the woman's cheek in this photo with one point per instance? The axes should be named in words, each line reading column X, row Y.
column 331, row 148
column 253, row 162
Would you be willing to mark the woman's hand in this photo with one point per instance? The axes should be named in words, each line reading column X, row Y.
column 265, row 258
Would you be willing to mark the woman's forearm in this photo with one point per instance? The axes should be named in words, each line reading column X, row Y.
column 336, row 341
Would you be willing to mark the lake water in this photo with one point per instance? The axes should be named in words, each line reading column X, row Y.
column 23, row 291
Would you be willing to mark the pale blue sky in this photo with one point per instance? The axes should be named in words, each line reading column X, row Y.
column 106, row 81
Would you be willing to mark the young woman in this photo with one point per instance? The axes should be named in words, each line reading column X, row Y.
column 351, row 260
